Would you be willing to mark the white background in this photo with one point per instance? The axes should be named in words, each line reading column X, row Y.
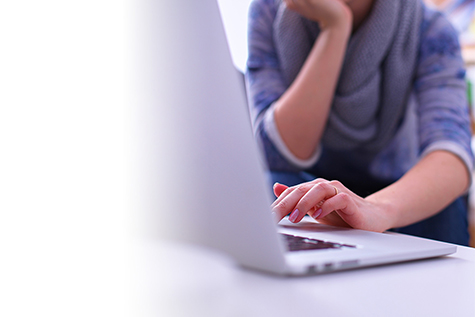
column 62, row 216
column 63, row 154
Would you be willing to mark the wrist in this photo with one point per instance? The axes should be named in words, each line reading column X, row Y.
column 342, row 21
column 386, row 211
column 342, row 31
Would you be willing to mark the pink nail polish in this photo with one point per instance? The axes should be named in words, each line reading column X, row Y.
column 317, row 213
column 294, row 215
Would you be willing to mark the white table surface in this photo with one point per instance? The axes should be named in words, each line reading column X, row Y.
column 183, row 280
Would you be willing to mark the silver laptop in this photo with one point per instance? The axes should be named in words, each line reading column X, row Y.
column 202, row 177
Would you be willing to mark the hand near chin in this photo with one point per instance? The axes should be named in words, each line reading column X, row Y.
column 328, row 202
column 327, row 13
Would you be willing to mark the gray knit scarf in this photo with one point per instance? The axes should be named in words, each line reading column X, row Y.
column 377, row 73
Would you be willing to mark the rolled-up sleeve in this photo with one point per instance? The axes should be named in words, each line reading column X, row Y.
column 265, row 85
column 444, row 118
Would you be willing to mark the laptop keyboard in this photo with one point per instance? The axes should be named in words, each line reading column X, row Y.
column 296, row 243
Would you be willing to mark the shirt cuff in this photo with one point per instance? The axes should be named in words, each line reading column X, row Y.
column 454, row 148
column 274, row 135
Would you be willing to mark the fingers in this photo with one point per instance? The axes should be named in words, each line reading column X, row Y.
column 314, row 201
column 279, row 189
column 343, row 204
column 328, row 202
column 286, row 202
column 302, row 199
column 325, row 12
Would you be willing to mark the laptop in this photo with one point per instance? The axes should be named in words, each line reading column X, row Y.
column 202, row 177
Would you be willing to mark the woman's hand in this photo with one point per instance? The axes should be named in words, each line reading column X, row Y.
column 330, row 203
column 327, row 13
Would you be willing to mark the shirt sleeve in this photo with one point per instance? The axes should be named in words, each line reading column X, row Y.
column 264, row 86
column 444, row 118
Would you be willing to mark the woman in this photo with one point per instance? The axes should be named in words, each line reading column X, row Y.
column 370, row 93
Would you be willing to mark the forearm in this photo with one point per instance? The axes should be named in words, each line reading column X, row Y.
column 302, row 111
column 430, row 186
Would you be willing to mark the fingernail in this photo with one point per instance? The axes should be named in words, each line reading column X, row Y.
column 294, row 215
column 317, row 213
